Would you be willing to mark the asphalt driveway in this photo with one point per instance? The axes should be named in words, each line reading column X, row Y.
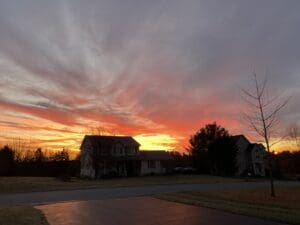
column 140, row 210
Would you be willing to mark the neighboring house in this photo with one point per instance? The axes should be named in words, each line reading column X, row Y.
column 118, row 156
column 250, row 157
column 154, row 162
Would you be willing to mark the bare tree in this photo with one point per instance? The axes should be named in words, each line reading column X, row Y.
column 294, row 133
column 100, row 130
column 263, row 116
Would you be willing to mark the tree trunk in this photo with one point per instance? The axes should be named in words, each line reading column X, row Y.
column 271, row 176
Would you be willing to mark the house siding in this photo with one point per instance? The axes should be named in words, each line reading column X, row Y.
column 118, row 156
column 156, row 169
column 87, row 169
column 241, row 156
column 249, row 157
column 258, row 160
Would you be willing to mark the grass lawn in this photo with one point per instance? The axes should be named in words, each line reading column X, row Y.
column 21, row 215
column 255, row 202
column 34, row 184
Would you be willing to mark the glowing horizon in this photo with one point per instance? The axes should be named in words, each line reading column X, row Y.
column 72, row 141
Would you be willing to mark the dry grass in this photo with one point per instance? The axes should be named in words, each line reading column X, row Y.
column 34, row 184
column 286, row 197
column 256, row 202
column 21, row 215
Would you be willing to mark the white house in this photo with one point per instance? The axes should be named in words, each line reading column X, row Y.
column 250, row 157
column 103, row 156
column 154, row 162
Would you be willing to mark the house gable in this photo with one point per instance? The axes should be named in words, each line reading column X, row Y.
column 250, row 156
column 111, row 145
column 241, row 142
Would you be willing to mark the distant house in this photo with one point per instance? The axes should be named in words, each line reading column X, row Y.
column 154, row 162
column 250, row 157
column 103, row 156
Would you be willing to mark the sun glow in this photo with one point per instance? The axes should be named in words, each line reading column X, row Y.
column 156, row 142
column 283, row 145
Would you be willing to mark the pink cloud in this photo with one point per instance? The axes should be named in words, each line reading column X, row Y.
column 57, row 116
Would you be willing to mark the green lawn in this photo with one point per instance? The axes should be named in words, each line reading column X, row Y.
column 34, row 184
column 256, row 202
column 21, row 215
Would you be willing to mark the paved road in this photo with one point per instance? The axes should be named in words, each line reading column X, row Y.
column 124, row 192
column 140, row 210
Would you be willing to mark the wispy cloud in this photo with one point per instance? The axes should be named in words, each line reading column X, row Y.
column 143, row 67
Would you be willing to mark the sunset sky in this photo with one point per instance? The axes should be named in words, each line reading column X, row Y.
column 156, row 70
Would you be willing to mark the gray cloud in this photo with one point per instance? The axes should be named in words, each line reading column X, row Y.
column 155, row 58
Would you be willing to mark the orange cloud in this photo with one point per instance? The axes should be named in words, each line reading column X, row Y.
column 58, row 116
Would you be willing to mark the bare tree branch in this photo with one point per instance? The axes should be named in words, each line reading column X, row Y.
column 264, row 118
column 249, row 94
column 248, row 101
column 280, row 106
column 294, row 134
column 271, row 100
column 277, row 141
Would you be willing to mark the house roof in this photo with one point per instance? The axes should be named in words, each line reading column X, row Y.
column 238, row 137
column 259, row 146
column 252, row 146
column 98, row 140
column 155, row 155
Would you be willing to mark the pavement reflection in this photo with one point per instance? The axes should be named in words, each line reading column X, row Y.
column 140, row 210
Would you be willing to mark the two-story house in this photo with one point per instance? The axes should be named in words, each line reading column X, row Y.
column 250, row 157
column 118, row 156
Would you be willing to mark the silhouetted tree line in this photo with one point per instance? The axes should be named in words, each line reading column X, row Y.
column 287, row 163
column 213, row 151
column 181, row 159
column 37, row 163
column 7, row 163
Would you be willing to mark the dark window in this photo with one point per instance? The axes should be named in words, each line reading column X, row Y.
column 151, row 164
